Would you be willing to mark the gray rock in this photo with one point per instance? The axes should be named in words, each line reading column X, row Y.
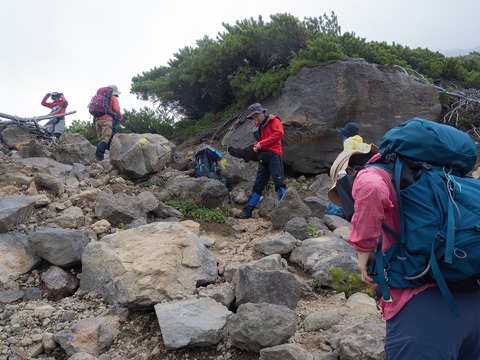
column 15, row 134
column 285, row 352
column 46, row 165
column 317, row 204
column 298, row 228
column 316, row 256
column 189, row 323
column 74, row 148
column 334, row 222
column 203, row 191
column 289, row 207
column 60, row 282
column 70, row 218
column 258, row 326
column 267, row 286
column 59, row 247
column 15, row 210
column 279, row 243
column 17, row 256
column 52, row 183
column 119, row 208
column 271, row 262
column 8, row 296
column 224, row 293
column 33, row 293
column 17, row 178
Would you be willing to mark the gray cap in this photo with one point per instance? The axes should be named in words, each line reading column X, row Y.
column 115, row 89
column 255, row 109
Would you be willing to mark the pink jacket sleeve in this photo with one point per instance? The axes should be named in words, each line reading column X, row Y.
column 375, row 197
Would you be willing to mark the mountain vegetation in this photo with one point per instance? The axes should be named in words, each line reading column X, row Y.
column 250, row 61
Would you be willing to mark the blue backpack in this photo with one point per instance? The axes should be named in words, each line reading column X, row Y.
column 439, row 210
column 206, row 164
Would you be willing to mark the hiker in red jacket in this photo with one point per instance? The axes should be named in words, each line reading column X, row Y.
column 59, row 104
column 268, row 133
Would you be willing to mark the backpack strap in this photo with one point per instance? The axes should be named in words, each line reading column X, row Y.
column 436, row 184
column 442, row 285
column 377, row 268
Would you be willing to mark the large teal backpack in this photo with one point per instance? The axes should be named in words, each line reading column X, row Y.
column 439, row 208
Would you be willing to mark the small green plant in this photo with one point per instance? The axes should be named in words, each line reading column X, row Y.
column 121, row 226
column 180, row 206
column 296, row 186
column 311, row 230
column 317, row 285
column 129, row 182
column 201, row 213
column 444, row 99
column 349, row 283
column 270, row 186
column 210, row 215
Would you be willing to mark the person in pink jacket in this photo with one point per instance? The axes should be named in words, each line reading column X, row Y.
column 419, row 324
column 55, row 126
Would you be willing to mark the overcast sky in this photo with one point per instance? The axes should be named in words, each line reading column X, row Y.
column 77, row 46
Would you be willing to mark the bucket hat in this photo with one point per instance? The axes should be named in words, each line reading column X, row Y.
column 255, row 109
column 351, row 129
column 342, row 163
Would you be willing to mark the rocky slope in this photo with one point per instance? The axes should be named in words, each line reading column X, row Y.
column 43, row 316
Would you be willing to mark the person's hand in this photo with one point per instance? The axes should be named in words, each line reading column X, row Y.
column 257, row 147
column 364, row 258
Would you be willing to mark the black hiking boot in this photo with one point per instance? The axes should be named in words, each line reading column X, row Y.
column 246, row 212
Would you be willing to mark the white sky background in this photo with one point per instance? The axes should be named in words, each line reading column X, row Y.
column 77, row 46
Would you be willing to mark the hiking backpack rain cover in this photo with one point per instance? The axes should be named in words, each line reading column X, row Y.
column 100, row 103
column 439, row 208
column 206, row 164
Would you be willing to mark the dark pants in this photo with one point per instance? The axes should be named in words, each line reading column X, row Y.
column 271, row 164
column 426, row 329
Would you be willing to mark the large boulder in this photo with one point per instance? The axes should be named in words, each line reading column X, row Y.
column 318, row 101
column 74, row 148
column 141, row 267
column 140, row 155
